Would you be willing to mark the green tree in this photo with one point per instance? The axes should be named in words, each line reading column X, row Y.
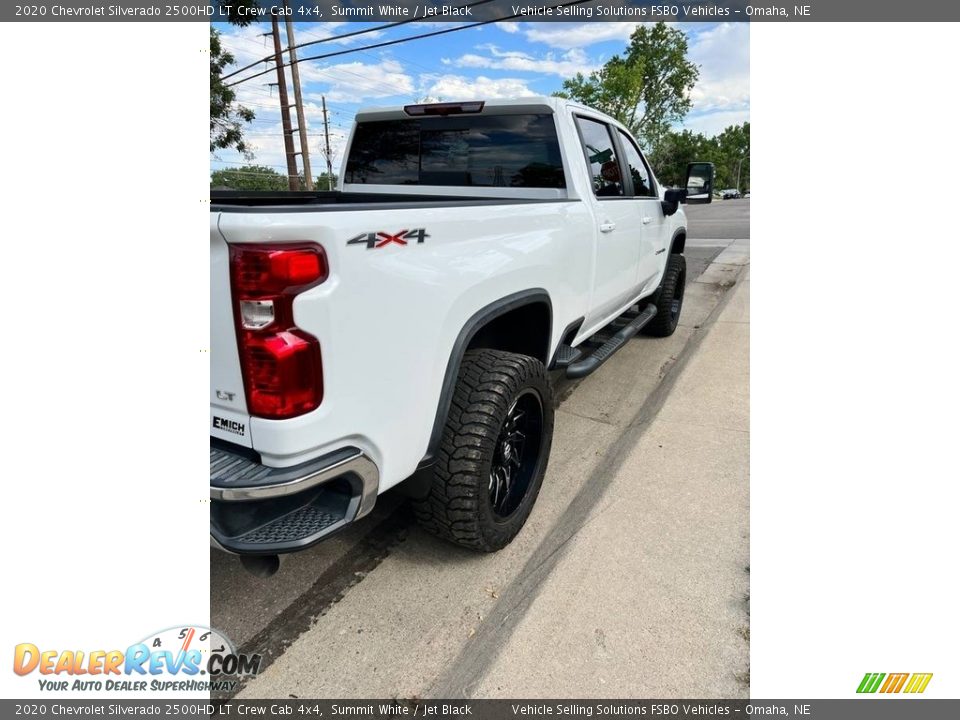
column 226, row 116
column 733, row 157
column 729, row 152
column 324, row 182
column 261, row 178
column 676, row 150
column 647, row 89
column 615, row 89
column 249, row 177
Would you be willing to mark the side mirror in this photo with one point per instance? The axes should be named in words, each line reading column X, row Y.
column 671, row 201
column 699, row 183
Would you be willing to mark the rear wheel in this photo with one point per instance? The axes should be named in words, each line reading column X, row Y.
column 494, row 451
column 669, row 298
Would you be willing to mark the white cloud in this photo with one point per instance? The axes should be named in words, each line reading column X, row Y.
column 723, row 54
column 564, row 65
column 436, row 88
column 714, row 123
column 358, row 81
column 509, row 27
column 247, row 45
column 566, row 36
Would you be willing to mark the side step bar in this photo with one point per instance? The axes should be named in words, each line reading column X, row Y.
column 582, row 368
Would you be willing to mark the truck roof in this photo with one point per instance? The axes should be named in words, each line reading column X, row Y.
column 540, row 103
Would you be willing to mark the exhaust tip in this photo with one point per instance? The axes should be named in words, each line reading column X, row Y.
column 263, row 566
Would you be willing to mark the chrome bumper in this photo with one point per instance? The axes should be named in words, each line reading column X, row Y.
column 357, row 463
column 287, row 501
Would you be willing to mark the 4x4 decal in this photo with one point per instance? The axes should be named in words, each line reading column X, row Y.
column 380, row 238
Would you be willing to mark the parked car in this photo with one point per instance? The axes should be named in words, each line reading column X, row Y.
column 405, row 328
column 730, row 194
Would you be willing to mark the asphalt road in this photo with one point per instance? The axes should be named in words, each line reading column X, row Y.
column 385, row 610
column 721, row 219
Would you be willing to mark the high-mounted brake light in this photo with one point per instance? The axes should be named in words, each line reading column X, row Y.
column 281, row 364
column 453, row 108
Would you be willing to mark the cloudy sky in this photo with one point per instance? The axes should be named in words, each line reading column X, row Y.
column 509, row 59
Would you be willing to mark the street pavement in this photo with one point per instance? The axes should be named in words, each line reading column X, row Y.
column 631, row 577
column 721, row 219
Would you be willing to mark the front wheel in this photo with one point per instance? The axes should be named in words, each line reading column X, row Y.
column 668, row 298
column 494, row 451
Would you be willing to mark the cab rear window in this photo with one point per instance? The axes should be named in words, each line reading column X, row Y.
column 479, row 151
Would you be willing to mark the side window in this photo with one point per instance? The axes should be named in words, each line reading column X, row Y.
column 601, row 158
column 642, row 184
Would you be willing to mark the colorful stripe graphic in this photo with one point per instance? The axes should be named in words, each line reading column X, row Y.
column 895, row 682
column 870, row 683
column 918, row 683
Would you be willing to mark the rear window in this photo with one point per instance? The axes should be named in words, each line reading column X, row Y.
column 478, row 151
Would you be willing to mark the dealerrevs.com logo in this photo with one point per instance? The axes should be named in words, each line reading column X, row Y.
column 910, row 683
column 181, row 659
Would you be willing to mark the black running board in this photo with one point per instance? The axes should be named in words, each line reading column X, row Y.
column 582, row 368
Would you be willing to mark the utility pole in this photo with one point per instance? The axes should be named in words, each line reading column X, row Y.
column 293, row 176
column 326, row 139
column 298, row 99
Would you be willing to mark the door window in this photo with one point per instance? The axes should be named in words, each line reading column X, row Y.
column 601, row 158
column 642, row 184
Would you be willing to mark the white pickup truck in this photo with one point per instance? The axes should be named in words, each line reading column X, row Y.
column 407, row 326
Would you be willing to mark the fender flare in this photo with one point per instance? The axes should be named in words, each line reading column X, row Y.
column 679, row 241
column 677, row 244
column 467, row 333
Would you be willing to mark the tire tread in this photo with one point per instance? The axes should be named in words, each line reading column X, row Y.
column 487, row 382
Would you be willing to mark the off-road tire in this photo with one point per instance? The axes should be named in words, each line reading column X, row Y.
column 671, row 289
column 459, row 506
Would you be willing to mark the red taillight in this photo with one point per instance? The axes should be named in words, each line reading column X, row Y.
column 282, row 371
column 266, row 270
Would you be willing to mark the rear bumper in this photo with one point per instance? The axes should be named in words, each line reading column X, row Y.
column 258, row 510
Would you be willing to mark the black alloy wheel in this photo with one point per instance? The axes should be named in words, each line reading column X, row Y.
column 516, row 453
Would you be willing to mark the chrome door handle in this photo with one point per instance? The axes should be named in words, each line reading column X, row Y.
column 647, row 220
column 607, row 227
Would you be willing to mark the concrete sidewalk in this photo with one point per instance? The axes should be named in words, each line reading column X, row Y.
column 651, row 598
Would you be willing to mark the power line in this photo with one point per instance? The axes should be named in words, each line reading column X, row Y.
column 248, row 162
column 227, row 39
column 269, row 94
column 355, row 33
column 381, row 57
column 398, row 41
column 331, row 78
